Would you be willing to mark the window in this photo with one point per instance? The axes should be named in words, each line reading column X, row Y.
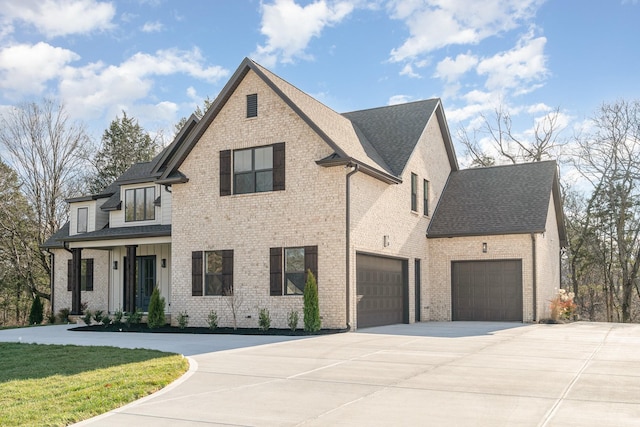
column 139, row 204
column 252, row 105
column 414, row 192
column 86, row 274
column 288, row 269
column 253, row 170
column 218, row 273
column 83, row 218
column 425, row 196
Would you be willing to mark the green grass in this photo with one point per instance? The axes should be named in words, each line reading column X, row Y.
column 56, row 385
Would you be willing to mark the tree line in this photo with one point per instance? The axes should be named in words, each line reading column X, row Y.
column 47, row 158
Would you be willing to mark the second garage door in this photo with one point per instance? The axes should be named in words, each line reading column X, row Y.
column 486, row 290
column 381, row 291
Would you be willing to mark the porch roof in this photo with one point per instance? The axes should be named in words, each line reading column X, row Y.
column 107, row 233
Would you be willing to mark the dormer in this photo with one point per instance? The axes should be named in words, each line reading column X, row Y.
column 85, row 215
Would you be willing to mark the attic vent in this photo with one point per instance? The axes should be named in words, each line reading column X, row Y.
column 252, row 105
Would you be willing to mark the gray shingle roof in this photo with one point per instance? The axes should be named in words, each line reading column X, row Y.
column 393, row 131
column 55, row 241
column 496, row 200
column 136, row 231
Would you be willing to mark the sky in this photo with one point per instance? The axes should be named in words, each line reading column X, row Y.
column 159, row 59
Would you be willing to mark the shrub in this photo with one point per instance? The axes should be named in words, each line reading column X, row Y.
column 63, row 315
column 87, row 317
column 51, row 318
column 312, row 322
column 292, row 320
column 155, row 318
column 562, row 306
column 183, row 319
column 117, row 316
column 264, row 320
column 212, row 319
column 105, row 320
column 135, row 318
column 97, row 316
column 36, row 315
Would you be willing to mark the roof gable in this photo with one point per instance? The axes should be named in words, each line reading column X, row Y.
column 510, row 199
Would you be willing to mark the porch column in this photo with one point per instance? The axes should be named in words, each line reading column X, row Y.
column 130, row 279
column 76, row 278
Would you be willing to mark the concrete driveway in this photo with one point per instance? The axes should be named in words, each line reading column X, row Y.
column 454, row 374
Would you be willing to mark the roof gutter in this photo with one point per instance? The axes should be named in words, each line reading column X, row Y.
column 356, row 167
column 362, row 167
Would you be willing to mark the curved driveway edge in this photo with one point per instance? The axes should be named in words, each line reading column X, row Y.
column 455, row 373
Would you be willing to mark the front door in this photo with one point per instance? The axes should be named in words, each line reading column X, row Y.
column 145, row 280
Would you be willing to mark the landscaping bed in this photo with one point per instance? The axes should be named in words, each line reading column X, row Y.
column 143, row 328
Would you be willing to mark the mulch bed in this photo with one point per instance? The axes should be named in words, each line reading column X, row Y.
column 143, row 328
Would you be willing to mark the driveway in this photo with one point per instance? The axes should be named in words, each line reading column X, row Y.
column 458, row 374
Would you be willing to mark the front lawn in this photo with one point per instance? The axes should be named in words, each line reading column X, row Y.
column 62, row 384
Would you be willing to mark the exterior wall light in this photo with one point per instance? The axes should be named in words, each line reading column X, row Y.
column 385, row 241
column 163, row 263
column 484, row 247
column 115, row 265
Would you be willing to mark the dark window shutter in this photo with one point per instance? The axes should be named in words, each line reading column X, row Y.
column 311, row 260
column 227, row 272
column 275, row 271
column 89, row 277
column 196, row 273
column 278, row 166
column 225, row 172
column 69, row 270
column 252, row 105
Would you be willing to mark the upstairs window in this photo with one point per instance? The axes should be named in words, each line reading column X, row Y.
column 83, row 219
column 425, row 196
column 414, row 192
column 252, row 105
column 139, row 204
column 253, row 170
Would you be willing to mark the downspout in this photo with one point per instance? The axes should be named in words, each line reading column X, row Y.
column 52, row 277
column 535, row 276
column 348, row 240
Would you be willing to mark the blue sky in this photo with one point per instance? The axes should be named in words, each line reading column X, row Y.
column 158, row 59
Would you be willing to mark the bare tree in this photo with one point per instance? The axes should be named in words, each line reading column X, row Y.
column 609, row 158
column 46, row 149
column 504, row 142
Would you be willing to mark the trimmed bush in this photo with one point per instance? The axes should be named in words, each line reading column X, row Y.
column 292, row 320
column 212, row 319
column 183, row 319
column 156, row 318
column 63, row 315
column 36, row 315
column 312, row 322
column 264, row 320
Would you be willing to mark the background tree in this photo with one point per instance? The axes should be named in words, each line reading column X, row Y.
column 496, row 141
column 47, row 151
column 608, row 233
column 124, row 143
column 199, row 112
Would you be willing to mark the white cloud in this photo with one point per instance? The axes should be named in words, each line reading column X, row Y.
column 25, row 69
column 451, row 69
column 434, row 24
column 152, row 27
column 55, row 18
column 399, row 99
column 90, row 89
column 407, row 70
column 290, row 27
column 524, row 64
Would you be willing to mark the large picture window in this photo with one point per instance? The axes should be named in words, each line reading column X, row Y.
column 83, row 219
column 253, row 170
column 139, row 204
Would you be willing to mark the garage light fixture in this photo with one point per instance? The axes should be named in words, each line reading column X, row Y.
column 386, row 241
column 484, row 247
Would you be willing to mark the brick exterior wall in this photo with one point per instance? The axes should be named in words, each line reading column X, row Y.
column 98, row 299
column 548, row 263
column 310, row 211
column 380, row 209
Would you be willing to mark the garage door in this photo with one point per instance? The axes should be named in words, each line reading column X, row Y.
column 487, row 290
column 380, row 285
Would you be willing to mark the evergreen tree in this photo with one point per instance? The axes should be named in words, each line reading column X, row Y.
column 36, row 316
column 156, row 318
column 312, row 321
column 124, row 143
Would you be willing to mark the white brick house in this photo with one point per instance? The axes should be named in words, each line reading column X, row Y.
column 270, row 182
